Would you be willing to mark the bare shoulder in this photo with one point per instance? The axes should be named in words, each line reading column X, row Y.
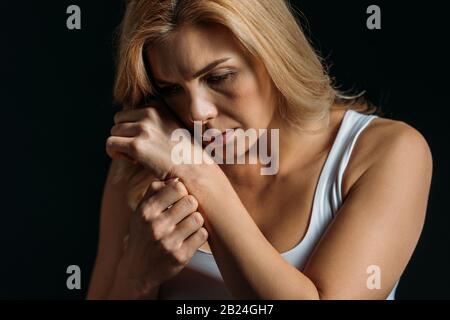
column 386, row 141
column 382, row 214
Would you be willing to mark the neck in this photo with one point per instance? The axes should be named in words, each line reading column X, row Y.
column 297, row 149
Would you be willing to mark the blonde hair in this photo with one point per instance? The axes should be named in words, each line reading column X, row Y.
column 268, row 31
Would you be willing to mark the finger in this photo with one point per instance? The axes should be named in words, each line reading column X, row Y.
column 195, row 241
column 127, row 129
column 170, row 219
column 154, row 187
column 133, row 115
column 181, row 209
column 187, row 226
column 165, row 197
column 115, row 145
column 157, row 185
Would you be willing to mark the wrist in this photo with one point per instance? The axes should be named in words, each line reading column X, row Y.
column 126, row 287
column 199, row 178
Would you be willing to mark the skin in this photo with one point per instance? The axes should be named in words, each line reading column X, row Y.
column 385, row 190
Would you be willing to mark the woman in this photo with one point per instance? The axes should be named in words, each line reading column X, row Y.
column 340, row 217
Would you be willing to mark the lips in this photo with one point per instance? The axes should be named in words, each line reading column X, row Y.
column 227, row 135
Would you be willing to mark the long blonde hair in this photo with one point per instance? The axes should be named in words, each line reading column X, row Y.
column 268, row 31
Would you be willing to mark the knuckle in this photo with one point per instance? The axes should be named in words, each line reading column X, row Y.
column 203, row 234
column 166, row 244
column 198, row 218
column 155, row 185
column 109, row 141
column 148, row 211
column 191, row 201
column 140, row 212
column 135, row 146
column 108, row 145
column 179, row 188
column 181, row 257
column 141, row 126
column 117, row 116
column 143, row 129
column 144, row 216
column 156, row 231
column 144, row 134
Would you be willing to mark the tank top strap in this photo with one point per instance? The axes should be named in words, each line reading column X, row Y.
column 329, row 189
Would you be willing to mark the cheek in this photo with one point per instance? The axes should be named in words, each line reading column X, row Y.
column 179, row 109
column 254, row 106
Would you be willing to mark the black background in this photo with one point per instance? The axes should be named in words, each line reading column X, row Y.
column 56, row 113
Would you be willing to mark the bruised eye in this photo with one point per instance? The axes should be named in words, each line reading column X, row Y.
column 219, row 79
column 215, row 80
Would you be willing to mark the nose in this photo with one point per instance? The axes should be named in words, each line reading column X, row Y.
column 202, row 110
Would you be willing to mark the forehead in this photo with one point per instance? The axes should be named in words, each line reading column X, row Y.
column 190, row 48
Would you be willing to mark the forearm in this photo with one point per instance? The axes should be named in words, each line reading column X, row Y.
column 124, row 288
column 250, row 266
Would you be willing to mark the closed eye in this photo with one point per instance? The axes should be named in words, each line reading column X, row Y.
column 214, row 80
column 170, row 90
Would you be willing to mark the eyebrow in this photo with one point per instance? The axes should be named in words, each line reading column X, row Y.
column 201, row 71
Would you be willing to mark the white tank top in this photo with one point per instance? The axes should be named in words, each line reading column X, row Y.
column 201, row 278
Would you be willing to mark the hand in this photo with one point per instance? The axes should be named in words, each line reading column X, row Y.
column 165, row 232
column 144, row 136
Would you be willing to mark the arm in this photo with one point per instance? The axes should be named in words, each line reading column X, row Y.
column 379, row 224
column 245, row 258
column 114, row 220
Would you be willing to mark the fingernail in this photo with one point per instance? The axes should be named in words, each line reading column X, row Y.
column 172, row 180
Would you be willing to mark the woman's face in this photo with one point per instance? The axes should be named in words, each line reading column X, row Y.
column 204, row 76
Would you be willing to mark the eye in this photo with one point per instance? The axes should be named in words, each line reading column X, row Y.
column 218, row 79
column 170, row 90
